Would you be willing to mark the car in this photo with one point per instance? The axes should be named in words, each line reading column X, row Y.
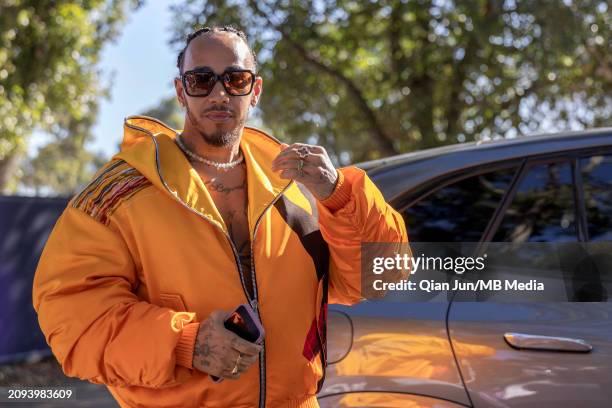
column 448, row 352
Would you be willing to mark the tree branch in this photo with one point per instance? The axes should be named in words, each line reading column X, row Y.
column 384, row 141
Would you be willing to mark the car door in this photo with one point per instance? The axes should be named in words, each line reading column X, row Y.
column 555, row 200
column 401, row 344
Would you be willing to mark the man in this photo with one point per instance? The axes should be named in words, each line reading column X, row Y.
column 178, row 229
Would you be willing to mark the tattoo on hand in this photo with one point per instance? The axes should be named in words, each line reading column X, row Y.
column 216, row 350
column 203, row 349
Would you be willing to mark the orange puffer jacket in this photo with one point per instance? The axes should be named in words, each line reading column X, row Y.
column 141, row 255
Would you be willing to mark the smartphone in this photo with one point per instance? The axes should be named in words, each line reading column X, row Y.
column 244, row 322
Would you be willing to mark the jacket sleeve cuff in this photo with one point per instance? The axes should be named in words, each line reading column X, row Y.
column 184, row 347
column 340, row 196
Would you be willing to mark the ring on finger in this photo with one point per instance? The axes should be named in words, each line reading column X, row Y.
column 302, row 152
column 235, row 370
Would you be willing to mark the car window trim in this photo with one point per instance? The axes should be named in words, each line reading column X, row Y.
column 455, row 178
column 585, row 154
column 555, row 157
column 579, row 204
column 528, row 165
column 502, row 206
column 423, row 191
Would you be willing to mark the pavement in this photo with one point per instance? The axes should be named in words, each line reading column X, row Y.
column 47, row 373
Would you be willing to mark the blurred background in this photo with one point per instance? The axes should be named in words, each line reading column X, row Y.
column 366, row 79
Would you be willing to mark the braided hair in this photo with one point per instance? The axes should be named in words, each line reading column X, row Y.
column 214, row 29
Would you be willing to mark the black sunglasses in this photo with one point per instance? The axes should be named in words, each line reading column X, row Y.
column 201, row 81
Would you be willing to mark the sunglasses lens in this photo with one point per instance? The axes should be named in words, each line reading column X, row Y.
column 238, row 82
column 199, row 83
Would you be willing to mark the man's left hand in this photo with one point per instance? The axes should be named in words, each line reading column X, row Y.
column 316, row 170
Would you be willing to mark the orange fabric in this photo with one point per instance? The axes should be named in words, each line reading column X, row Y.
column 340, row 196
column 184, row 347
column 306, row 402
column 142, row 255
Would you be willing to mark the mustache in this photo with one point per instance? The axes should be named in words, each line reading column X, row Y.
column 218, row 108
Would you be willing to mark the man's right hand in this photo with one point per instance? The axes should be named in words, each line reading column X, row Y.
column 217, row 349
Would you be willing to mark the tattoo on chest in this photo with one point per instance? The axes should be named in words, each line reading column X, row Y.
column 219, row 187
column 238, row 229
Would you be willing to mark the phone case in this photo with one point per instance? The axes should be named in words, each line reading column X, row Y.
column 254, row 318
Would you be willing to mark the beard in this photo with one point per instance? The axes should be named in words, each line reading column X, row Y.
column 219, row 137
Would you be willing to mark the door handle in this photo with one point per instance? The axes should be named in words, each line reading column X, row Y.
column 550, row 343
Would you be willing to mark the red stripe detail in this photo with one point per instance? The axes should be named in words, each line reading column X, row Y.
column 311, row 345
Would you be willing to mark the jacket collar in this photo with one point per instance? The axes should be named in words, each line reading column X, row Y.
column 148, row 145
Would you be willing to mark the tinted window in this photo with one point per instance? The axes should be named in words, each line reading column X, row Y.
column 597, row 186
column 543, row 208
column 458, row 212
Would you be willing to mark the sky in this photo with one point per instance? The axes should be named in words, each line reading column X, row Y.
column 143, row 65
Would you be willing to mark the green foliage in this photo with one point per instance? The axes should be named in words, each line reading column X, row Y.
column 60, row 167
column 49, row 81
column 368, row 79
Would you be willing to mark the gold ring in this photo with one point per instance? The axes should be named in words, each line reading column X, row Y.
column 235, row 370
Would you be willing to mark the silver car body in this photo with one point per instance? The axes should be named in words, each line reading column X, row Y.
column 449, row 354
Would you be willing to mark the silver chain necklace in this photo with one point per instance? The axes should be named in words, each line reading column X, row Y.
column 218, row 165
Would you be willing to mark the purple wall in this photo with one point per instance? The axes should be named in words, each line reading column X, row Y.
column 25, row 224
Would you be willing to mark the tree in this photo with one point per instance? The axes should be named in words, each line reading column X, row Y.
column 62, row 165
column 168, row 111
column 48, row 78
column 369, row 79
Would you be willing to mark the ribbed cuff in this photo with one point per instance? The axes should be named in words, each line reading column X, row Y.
column 184, row 347
column 306, row 402
column 341, row 194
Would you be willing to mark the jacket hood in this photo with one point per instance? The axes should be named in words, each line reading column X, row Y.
column 149, row 146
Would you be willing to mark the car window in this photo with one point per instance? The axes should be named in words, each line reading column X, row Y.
column 458, row 212
column 595, row 271
column 597, row 187
column 542, row 209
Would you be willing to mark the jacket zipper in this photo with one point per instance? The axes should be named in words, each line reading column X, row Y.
column 234, row 250
column 253, row 302
column 262, row 359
